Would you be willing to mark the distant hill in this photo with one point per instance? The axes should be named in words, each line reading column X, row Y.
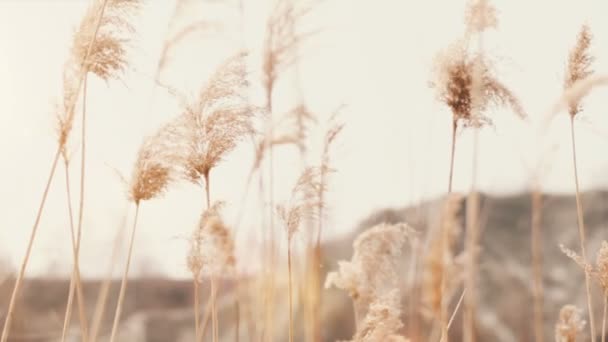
column 158, row 309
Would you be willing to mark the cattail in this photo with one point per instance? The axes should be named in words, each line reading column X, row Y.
column 371, row 273
column 569, row 324
column 579, row 68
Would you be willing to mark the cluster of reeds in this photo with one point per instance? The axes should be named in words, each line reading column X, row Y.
column 221, row 116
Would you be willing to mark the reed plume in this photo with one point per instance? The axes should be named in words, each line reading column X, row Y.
column 211, row 255
column 154, row 170
column 315, row 253
column 465, row 83
column 212, row 126
column 92, row 51
column 217, row 121
column 303, row 204
column 599, row 272
column 480, row 16
column 279, row 53
column 569, row 324
column 578, row 69
column 372, row 281
column 98, row 48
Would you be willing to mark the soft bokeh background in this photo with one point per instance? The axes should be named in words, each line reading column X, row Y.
column 375, row 57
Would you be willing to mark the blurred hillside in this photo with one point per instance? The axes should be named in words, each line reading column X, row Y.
column 160, row 310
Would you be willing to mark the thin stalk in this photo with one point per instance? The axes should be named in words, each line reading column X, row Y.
column 75, row 282
column 101, row 303
column 581, row 231
column 214, row 320
column 11, row 306
column 472, row 238
column 537, row 264
column 237, row 311
column 206, row 317
column 462, row 295
column 207, row 197
column 604, row 317
column 81, row 304
column 123, row 284
column 290, row 290
column 452, row 154
column 445, row 244
column 197, row 304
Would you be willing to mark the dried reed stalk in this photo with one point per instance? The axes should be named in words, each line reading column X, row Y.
column 303, row 205
column 579, row 68
column 100, row 32
column 101, row 303
column 465, row 83
column 70, row 99
column 280, row 52
column 11, row 307
column 211, row 254
column 537, row 263
column 75, row 283
column 213, row 126
column 153, row 172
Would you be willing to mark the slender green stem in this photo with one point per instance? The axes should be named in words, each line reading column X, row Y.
column 123, row 284
column 581, row 230
column 11, row 306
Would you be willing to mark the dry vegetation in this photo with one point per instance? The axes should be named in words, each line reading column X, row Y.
column 390, row 302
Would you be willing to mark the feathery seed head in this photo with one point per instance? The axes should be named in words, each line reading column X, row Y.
column 383, row 320
column 155, row 164
column 480, row 16
column 569, row 324
column 579, row 65
column 107, row 58
column 601, row 264
column 371, row 273
column 218, row 121
column 465, row 83
column 306, row 197
column 211, row 246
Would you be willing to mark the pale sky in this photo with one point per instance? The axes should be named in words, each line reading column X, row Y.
column 374, row 56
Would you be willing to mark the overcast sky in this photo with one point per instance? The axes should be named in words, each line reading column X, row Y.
column 373, row 56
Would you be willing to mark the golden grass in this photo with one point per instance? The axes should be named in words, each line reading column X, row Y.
column 190, row 146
